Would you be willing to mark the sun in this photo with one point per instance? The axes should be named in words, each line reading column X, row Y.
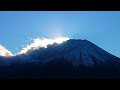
column 61, row 39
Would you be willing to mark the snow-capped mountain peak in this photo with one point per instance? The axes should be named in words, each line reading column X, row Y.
column 75, row 51
column 72, row 58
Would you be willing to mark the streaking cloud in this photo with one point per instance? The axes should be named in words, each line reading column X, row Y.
column 42, row 42
column 37, row 43
column 4, row 51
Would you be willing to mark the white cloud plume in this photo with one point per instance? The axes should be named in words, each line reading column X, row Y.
column 42, row 42
column 4, row 51
column 7, row 58
column 36, row 44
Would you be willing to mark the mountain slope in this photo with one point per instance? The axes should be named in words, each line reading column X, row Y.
column 75, row 51
column 70, row 59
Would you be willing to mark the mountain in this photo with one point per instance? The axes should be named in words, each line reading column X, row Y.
column 75, row 51
column 73, row 58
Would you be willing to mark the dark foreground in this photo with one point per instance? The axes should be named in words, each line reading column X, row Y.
column 58, row 71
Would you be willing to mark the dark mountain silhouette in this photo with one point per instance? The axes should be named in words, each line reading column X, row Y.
column 70, row 59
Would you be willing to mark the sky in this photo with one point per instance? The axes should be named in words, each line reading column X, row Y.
column 100, row 27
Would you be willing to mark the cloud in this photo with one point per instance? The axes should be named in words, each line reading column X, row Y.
column 36, row 44
column 4, row 51
column 41, row 42
column 7, row 58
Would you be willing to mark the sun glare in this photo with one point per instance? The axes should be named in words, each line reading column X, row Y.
column 61, row 39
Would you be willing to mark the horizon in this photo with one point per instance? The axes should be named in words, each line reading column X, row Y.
column 17, row 28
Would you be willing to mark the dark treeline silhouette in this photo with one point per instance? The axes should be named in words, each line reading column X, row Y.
column 62, row 69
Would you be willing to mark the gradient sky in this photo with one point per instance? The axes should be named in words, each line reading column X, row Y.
column 100, row 27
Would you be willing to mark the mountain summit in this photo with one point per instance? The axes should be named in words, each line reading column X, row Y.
column 74, row 58
column 75, row 51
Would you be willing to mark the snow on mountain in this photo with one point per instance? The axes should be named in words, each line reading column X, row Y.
column 73, row 58
column 75, row 51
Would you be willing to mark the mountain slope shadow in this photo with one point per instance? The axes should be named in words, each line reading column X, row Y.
column 58, row 69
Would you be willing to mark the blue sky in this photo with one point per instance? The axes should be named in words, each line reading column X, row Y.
column 100, row 27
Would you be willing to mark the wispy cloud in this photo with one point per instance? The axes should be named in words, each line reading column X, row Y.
column 36, row 44
column 4, row 51
column 42, row 42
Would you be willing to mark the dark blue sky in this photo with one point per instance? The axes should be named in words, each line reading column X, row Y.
column 99, row 27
